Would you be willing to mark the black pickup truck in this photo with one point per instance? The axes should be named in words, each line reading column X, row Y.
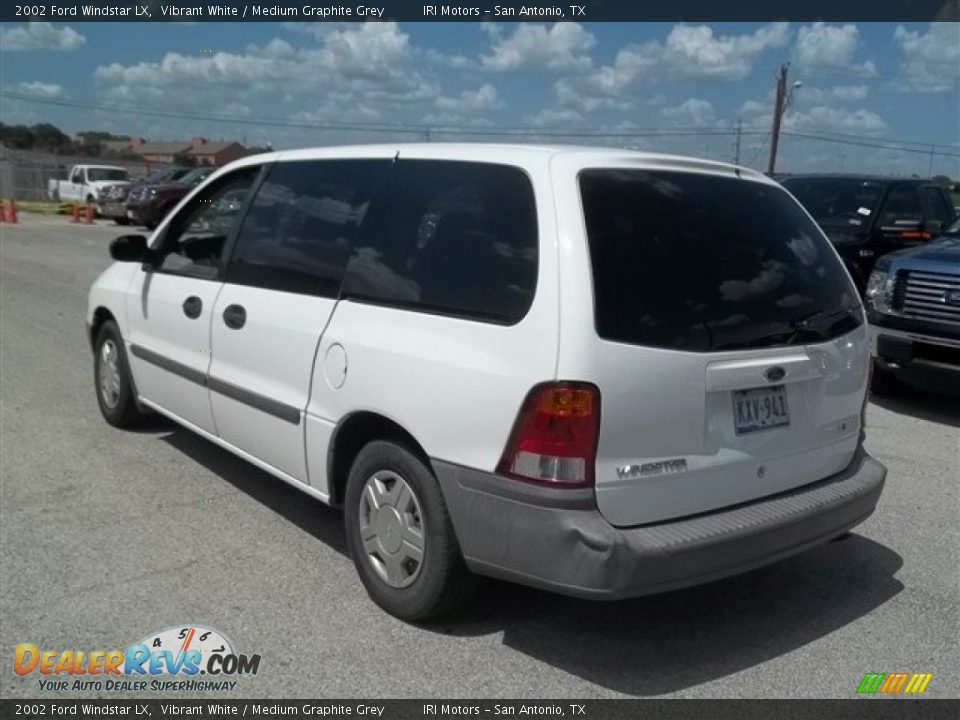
column 913, row 305
column 866, row 216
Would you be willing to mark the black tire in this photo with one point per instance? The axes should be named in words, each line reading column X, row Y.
column 122, row 412
column 885, row 382
column 122, row 221
column 442, row 583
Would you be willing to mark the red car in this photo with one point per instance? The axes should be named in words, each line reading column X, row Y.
column 148, row 205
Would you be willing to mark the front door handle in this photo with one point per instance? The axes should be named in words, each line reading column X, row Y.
column 234, row 316
column 192, row 307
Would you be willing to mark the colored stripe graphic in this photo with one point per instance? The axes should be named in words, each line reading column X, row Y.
column 918, row 683
column 871, row 682
column 893, row 683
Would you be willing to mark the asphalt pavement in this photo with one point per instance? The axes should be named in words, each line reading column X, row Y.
column 107, row 536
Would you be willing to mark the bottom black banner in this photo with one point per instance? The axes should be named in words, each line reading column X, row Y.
column 427, row 709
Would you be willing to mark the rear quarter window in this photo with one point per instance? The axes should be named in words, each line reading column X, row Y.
column 705, row 263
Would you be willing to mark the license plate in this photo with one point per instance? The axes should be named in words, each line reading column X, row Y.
column 760, row 409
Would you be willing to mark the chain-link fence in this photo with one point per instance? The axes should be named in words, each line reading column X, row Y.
column 25, row 174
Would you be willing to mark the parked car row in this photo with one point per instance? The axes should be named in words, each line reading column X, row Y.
column 900, row 240
column 115, row 196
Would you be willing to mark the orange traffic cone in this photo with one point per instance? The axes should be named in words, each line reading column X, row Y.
column 12, row 217
column 89, row 217
column 76, row 213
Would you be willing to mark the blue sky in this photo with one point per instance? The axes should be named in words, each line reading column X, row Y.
column 874, row 83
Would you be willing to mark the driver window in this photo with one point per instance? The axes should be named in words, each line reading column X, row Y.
column 77, row 176
column 194, row 240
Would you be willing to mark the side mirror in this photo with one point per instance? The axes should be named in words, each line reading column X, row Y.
column 130, row 248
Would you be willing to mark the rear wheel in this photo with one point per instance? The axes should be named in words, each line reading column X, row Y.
column 400, row 536
column 111, row 373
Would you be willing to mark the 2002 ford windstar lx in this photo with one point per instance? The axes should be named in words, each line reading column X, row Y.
column 599, row 372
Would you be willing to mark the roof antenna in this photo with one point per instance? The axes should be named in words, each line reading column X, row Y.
column 736, row 170
column 397, row 156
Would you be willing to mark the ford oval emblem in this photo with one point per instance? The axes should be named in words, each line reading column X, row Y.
column 775, row 373
column 952, row 298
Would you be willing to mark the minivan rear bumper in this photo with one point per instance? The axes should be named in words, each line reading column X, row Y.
column 558, row 540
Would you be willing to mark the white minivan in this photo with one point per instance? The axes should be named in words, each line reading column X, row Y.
column 596, row 371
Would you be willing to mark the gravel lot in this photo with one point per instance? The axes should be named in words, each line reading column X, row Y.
column 110, row 535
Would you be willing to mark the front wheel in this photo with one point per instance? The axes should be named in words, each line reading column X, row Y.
column 111, row 372
column 400, row 536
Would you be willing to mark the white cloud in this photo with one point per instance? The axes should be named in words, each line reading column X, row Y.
column 562, row 47
column 483, row 98
column 811, row 94
column 364, row 63
column 832, row 47
column 236, row 109
column 688, row 53
column 456, row 120
column 40, row 89
column 823, row 117
column 553, row 118
column 40, row 36
column 930, row 61
column 693, row 112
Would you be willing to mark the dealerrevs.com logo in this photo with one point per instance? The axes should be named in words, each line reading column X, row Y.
column 188, row 658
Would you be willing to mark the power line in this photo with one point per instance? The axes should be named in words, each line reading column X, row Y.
column 367, row 127
column 499, row 131
column 921, row 151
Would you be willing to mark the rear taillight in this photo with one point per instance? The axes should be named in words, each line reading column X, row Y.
column 554, row 440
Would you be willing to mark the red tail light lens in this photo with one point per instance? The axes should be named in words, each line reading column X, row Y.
column 554, row 440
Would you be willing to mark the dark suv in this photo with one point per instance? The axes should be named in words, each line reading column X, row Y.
column 866, row 217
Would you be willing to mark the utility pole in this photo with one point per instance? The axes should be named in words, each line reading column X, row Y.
column 930, row 165
column 736, row 145
column 779, row 105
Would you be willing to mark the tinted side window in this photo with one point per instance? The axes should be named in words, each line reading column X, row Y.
column 902, row 203
column 194, row 240
column 302, row 223
column 453, row 238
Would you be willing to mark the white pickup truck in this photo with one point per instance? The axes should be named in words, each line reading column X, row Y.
column 87, row 183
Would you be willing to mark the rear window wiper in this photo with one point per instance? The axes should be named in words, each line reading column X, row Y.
column 825, row 318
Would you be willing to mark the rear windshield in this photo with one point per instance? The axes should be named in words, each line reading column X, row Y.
column 703, row 263
column 836, row 201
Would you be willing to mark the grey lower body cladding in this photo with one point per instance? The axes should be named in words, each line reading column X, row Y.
column 558, row 540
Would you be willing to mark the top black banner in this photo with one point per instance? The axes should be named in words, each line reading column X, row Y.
column 478, row 11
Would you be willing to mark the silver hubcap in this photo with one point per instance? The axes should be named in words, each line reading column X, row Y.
column 391, row 526
column 109, row 372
